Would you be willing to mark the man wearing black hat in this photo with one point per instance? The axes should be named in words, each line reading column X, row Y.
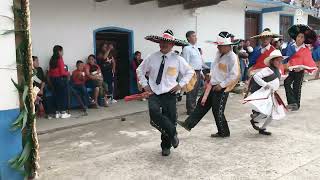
column 225, row 74
column 163, row 68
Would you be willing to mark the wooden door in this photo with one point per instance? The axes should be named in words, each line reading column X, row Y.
column 285, row 23
column 252, row 26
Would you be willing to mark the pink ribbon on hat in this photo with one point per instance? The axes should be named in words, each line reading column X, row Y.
column 168, row 36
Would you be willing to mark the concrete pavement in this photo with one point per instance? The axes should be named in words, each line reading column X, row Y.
column 130, row 150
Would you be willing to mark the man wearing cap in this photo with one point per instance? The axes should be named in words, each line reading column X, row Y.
column 163, row 68
column 225, row 74
column 256, row 58
column 193, row 57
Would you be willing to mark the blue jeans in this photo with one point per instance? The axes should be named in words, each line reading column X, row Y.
column 60, row 92
column 82, row 93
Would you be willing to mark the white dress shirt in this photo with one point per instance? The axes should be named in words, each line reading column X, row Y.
column 265, row 49
column 298, row 48
column 174, row 64
column 225, row 70
column 192, row 55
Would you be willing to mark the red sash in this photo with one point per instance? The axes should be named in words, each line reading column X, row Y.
column 302, row 59
column 260, row 61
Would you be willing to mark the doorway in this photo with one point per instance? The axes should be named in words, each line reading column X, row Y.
column 286, row 21
column 252, row 26
column 122, row 40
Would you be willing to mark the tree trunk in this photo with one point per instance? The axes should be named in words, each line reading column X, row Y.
column 32, row 164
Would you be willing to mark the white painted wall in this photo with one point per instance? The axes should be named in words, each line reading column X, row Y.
column 8, row 94
column 301, row 20
column 272, row 21
column 72, row 24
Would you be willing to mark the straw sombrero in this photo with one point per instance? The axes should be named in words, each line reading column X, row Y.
column 266, row 33
column 224, row 39
column 274, row 54
column 167, row 36
column 309, row 34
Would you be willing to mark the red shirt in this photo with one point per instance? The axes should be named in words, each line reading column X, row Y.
column 59, row 71
column 78, row 77
column 92, row 69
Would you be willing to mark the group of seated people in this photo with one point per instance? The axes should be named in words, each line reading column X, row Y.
column 90, row 84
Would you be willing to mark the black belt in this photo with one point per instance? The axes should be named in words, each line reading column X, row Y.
column 197, row 70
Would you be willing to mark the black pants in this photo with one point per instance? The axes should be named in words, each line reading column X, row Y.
column 163, row 116
column 217, row 101
column 191, row 101
column 293, row 85
column 60, row 92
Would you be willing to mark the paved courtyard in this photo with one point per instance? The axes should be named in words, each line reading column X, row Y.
column 116, row 150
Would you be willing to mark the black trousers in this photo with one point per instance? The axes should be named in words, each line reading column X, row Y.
column 163, row 116
column 293, row 85
column 217, row 101
column 191, row 101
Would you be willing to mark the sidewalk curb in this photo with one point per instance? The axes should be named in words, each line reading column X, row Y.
column 93, row 122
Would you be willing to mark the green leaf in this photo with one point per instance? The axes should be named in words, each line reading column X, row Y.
column 24, row 96
column 18, row 162
column 19, row 87
column 8, row 17
column 18, row 123
column 24, row 122
column 5, row 32
column 25, row 92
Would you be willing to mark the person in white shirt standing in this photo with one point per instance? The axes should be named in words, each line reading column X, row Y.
column 163, row 68
column 225, row 74
column 192, row 55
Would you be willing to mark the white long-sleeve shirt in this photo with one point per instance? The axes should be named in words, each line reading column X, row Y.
column 174, row 65
column 265, row 72
column 225, row 70
column 192, row 55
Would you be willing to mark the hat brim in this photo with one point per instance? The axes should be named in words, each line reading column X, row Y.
column 157, row 39
column 268, row 59
column 219, row 44
column 263, row 36
column 310, row 35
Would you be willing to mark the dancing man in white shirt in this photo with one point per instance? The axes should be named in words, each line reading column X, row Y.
column 163, row 68
column 192, row 55
column 225, row 74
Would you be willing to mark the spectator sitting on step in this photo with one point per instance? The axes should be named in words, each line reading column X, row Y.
column 79, row 88
column 39, row 82
column 95, row 81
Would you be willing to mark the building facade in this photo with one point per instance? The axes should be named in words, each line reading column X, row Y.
column 82, row 26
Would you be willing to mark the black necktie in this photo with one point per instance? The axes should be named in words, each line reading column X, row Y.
column 159, row 77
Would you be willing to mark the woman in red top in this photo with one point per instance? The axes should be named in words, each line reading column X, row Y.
column 58, row 76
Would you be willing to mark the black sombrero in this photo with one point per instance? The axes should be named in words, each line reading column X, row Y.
column 167, row 36
column 309, row 34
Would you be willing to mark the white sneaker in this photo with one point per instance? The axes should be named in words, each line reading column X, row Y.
column 114, row 101
column 58, row 115
column 65, row 116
